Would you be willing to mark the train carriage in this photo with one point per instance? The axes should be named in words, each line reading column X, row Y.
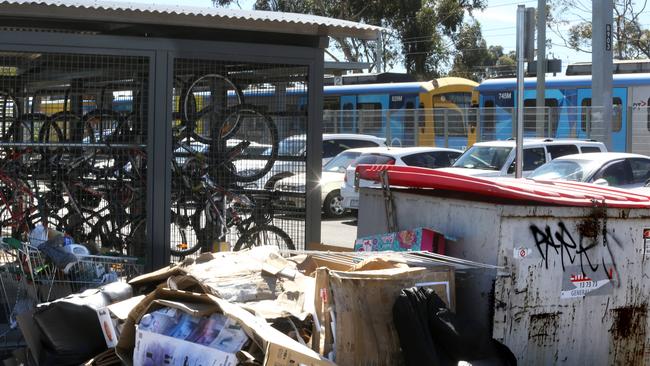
column 568, row 112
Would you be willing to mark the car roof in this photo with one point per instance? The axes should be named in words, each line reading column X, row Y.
column 540, row 142
column 602, row 156
column 354, row 136
column 404, row 151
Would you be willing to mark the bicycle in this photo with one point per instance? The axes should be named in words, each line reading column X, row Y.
column 223, row 210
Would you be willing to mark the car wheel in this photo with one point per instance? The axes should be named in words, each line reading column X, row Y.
column 333, row 205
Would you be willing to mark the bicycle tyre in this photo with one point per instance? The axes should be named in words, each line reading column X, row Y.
column 191, row 120
column 222, row 144
column 182, row 227
column 248, row 238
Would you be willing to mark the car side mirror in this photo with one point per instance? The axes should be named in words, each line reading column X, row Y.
column 601, row 182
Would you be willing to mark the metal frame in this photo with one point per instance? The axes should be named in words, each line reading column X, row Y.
column 161, row 53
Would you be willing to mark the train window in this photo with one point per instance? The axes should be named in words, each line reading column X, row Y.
column 550, row 113
column 585, row 115
column 461, row 100
column 331, row 103
column 617, row 115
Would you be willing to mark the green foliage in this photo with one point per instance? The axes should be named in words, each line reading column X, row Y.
column 473, row 59
column 630, row 39
column 421, row 29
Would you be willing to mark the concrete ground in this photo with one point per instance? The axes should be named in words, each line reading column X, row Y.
column 340, row 233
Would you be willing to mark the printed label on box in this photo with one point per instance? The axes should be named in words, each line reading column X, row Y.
column 108, row 327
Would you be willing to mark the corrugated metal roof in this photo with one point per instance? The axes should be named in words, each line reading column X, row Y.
column 218, row 18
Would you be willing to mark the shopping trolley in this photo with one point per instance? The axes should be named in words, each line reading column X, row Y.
column 29, row 277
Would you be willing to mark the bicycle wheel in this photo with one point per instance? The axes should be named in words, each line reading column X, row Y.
column 247, row 145
column 264, row 235
column 184, row 235
column 124, row 236
column 199, row 94
column 207, row 223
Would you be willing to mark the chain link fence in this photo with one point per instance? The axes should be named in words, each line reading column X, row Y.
column 461, row 127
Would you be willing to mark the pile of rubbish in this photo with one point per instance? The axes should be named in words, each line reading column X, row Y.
column 267, row 307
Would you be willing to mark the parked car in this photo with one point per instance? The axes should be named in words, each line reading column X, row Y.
column 330, row 183
column 426, row 157
column 497, row 158
column 293, row 148
column 611, row 169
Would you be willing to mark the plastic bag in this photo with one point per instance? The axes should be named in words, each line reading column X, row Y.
column 38, row 235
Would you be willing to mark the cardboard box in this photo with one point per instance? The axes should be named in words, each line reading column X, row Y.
column 157, row 349
column 418, row 239
column 112, row 318
column 354, row 311
column 279, row 349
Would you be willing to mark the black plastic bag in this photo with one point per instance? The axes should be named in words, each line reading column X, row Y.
column 430, row 334
column 70, row 333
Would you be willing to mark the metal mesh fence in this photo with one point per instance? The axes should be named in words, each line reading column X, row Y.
column 72, row 158
column 461, row 127
column 238, row 131
column 73, row 131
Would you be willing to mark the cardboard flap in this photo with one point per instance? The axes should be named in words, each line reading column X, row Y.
column 193, row 308
column 387, row 273
column 156, row 277
column 122, row 309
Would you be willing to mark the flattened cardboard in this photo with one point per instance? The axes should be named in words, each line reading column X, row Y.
column 362, row 302
column 280, row 349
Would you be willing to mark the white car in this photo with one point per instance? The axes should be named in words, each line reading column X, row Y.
column 425, row 157
column 621, row 170
column 293, row 150
column 497, row 158
column 330, row 184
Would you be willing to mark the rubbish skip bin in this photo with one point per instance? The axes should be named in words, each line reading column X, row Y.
column 574, row 284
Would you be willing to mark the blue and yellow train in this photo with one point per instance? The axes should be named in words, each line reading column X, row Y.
column 455, row 111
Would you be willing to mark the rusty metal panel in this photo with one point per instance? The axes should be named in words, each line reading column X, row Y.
column 574, row 288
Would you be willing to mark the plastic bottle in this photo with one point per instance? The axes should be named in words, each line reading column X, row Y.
column 38, row 235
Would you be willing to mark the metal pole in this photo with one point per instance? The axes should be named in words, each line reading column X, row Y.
column 602, row 67
column 379, row 55
column 446, row 126
column 388, row 134
column 541, row 65
column 521, row 13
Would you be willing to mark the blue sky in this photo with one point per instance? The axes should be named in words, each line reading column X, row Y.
column 498, row 22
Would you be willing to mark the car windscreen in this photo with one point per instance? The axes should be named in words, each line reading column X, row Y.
column 373, row 159
column 575, row 170
column 289, row 147
column 484, row 157
column 341, row 161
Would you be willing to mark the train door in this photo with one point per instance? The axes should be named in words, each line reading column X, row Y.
column 402, row 120
column 348, row 119
column 639, row 121
column 556, row 120
column 371, row 114
column 504, row 114
column 619, row 117
column 488, row 117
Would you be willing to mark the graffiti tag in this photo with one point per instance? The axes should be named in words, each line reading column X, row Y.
column 582, row 253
